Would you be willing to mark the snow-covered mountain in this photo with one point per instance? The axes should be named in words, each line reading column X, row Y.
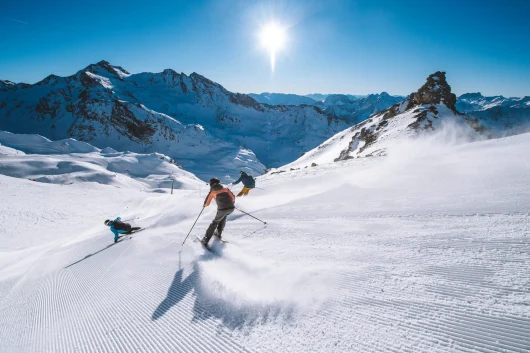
column 207, row 129
column 6, row 83
column 471, row 102
column 282, row 99
column 355, row 109
column 425, row 111
column 317, row 96
column 503, row 116
column 67, row 162
column 352, row 108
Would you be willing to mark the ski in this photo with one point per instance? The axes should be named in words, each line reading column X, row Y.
column 124, row 235
column 204, row 246
column 120, row 238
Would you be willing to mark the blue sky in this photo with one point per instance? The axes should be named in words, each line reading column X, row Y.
column 334, row 46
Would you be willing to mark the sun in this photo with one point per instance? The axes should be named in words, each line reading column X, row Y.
column 273, row 39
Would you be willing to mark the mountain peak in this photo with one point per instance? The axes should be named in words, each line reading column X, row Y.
column 6, row 83
column 96, row 68
column 435, row 91
column 471, row 95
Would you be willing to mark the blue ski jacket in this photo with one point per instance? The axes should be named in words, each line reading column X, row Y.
column 248, row 181
column 116, row 232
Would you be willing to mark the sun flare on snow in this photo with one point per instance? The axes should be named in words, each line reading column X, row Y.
column 273, row 39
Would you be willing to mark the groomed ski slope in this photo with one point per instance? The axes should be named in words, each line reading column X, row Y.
column 426, row 250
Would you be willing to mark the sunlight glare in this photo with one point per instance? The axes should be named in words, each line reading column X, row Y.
column 273, row 39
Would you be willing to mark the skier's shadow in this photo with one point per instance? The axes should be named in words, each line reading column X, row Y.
column 90, row 255
column 178, row 289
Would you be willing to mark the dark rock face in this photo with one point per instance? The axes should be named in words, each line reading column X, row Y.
column 125, row 121
column 435, row 91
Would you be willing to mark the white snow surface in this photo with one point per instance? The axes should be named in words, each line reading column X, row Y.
column 36, row 158
column 425, row 250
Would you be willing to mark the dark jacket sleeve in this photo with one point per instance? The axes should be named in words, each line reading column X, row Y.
column 237, row 181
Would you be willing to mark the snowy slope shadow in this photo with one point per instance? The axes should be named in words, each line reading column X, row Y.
column 90, row 255
column 178, row 289
column 209, row 303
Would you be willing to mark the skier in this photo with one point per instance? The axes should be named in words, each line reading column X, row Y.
column 248, row 183
column 120, row 228
column 225, row 206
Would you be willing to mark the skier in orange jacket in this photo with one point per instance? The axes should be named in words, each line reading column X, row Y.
column 225, row 206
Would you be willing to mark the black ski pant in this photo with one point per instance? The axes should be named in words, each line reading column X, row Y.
column 132, row 229
column 218, row 222
column 119, row 225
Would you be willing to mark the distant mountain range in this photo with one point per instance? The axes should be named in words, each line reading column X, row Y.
column 504, row 116
column 282, row 99
column 205, row 128
column 423, row 112
column 6, row 83
column 214, row 132
column 352, row 108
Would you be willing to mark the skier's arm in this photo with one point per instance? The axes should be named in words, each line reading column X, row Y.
column 237, row 181
column 113, row 230
column 208, row 199
column 118, row 219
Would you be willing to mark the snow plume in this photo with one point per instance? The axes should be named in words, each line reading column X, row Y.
column 410, row 148
column 415, row 153
column 243, row 289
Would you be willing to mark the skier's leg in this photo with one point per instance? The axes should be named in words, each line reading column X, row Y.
column 209, row 232
column 135, row 228
column 222, row 223
column 212, row 227
column 241, row 192
column 246, row 191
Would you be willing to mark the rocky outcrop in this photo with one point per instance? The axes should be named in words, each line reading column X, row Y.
column 424, row 112
column 435, row 91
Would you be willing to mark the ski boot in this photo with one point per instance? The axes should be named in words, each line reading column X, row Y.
column 204, row 242
column 217, row 235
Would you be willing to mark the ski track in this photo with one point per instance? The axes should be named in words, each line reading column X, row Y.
column 402, row 283
column 448, row 320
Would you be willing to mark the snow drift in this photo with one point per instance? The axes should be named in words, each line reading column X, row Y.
column 36, row 158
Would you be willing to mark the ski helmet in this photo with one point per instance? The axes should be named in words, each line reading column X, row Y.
column 107, row 222
column 214, row 181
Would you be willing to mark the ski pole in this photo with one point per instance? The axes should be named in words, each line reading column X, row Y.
column 192, row 226
column 248, row 214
